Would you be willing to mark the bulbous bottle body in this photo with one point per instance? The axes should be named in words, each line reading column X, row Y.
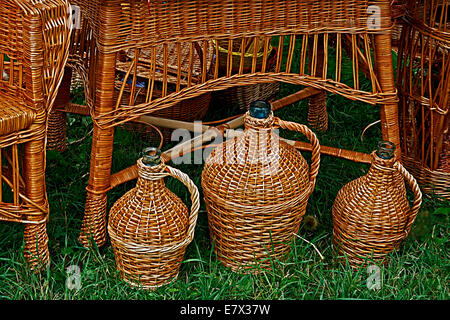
column 371, row 214
column 145, row 220
column 256, row 189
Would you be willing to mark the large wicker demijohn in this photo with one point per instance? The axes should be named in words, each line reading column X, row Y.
column 371, row 215
column 256, row 189
column 150, row 227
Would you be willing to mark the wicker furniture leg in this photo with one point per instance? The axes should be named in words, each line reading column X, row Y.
column 389, row 112
column 94, row 221
column 33, row 51
column 56, row 129
column 317, row 111
column 35, row 235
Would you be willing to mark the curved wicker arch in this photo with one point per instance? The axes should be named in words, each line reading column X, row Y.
column 129, row 113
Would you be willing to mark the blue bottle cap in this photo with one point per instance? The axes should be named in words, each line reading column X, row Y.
column 260, row 109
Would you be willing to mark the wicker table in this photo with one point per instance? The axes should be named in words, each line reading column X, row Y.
column 118, row 25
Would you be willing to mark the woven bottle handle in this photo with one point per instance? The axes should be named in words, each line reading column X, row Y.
column 315, row 160
column 417, row 195
column 195, row 198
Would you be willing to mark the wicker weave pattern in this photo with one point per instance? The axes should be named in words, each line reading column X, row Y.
column 14, row 116
column 317, row 112
column 142, row 64
column 256, row 190
column 168, row 21
column 56, row 128
column 371, row 215
column 193, row 22
column 150, row 227
column 305, row 76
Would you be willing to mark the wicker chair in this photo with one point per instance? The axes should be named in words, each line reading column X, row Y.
column 33, row 50
column 296, row 26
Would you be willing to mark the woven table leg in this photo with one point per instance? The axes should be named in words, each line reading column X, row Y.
column 56, row 129
column 389, row 112
column 317, row 112
column 36, row 245
column 35, row 235
column 94, row 221
column 56, row 132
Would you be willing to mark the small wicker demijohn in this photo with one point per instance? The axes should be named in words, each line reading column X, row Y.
column 256, row 188
column 371, row 215
column 150, row 227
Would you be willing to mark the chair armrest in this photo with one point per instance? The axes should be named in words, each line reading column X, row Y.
column 53, row 18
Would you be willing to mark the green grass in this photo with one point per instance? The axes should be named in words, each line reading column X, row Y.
column 418, row 270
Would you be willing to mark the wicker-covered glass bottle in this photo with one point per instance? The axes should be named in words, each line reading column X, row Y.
column 256, row 189
column 371, row 215
column 150, row 227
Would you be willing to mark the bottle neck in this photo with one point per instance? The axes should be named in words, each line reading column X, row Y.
column 150, row 177
column 252, row 123
column 382, row 169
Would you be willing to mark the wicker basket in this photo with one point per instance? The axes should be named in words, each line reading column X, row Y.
column 242, row 96
column 424, row 93
column 256, row 189
column 150, row 227
column 371, row 215
column 186, row 110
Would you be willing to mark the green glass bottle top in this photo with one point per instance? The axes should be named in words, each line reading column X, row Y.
column 386, row 150
column 151, row 156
